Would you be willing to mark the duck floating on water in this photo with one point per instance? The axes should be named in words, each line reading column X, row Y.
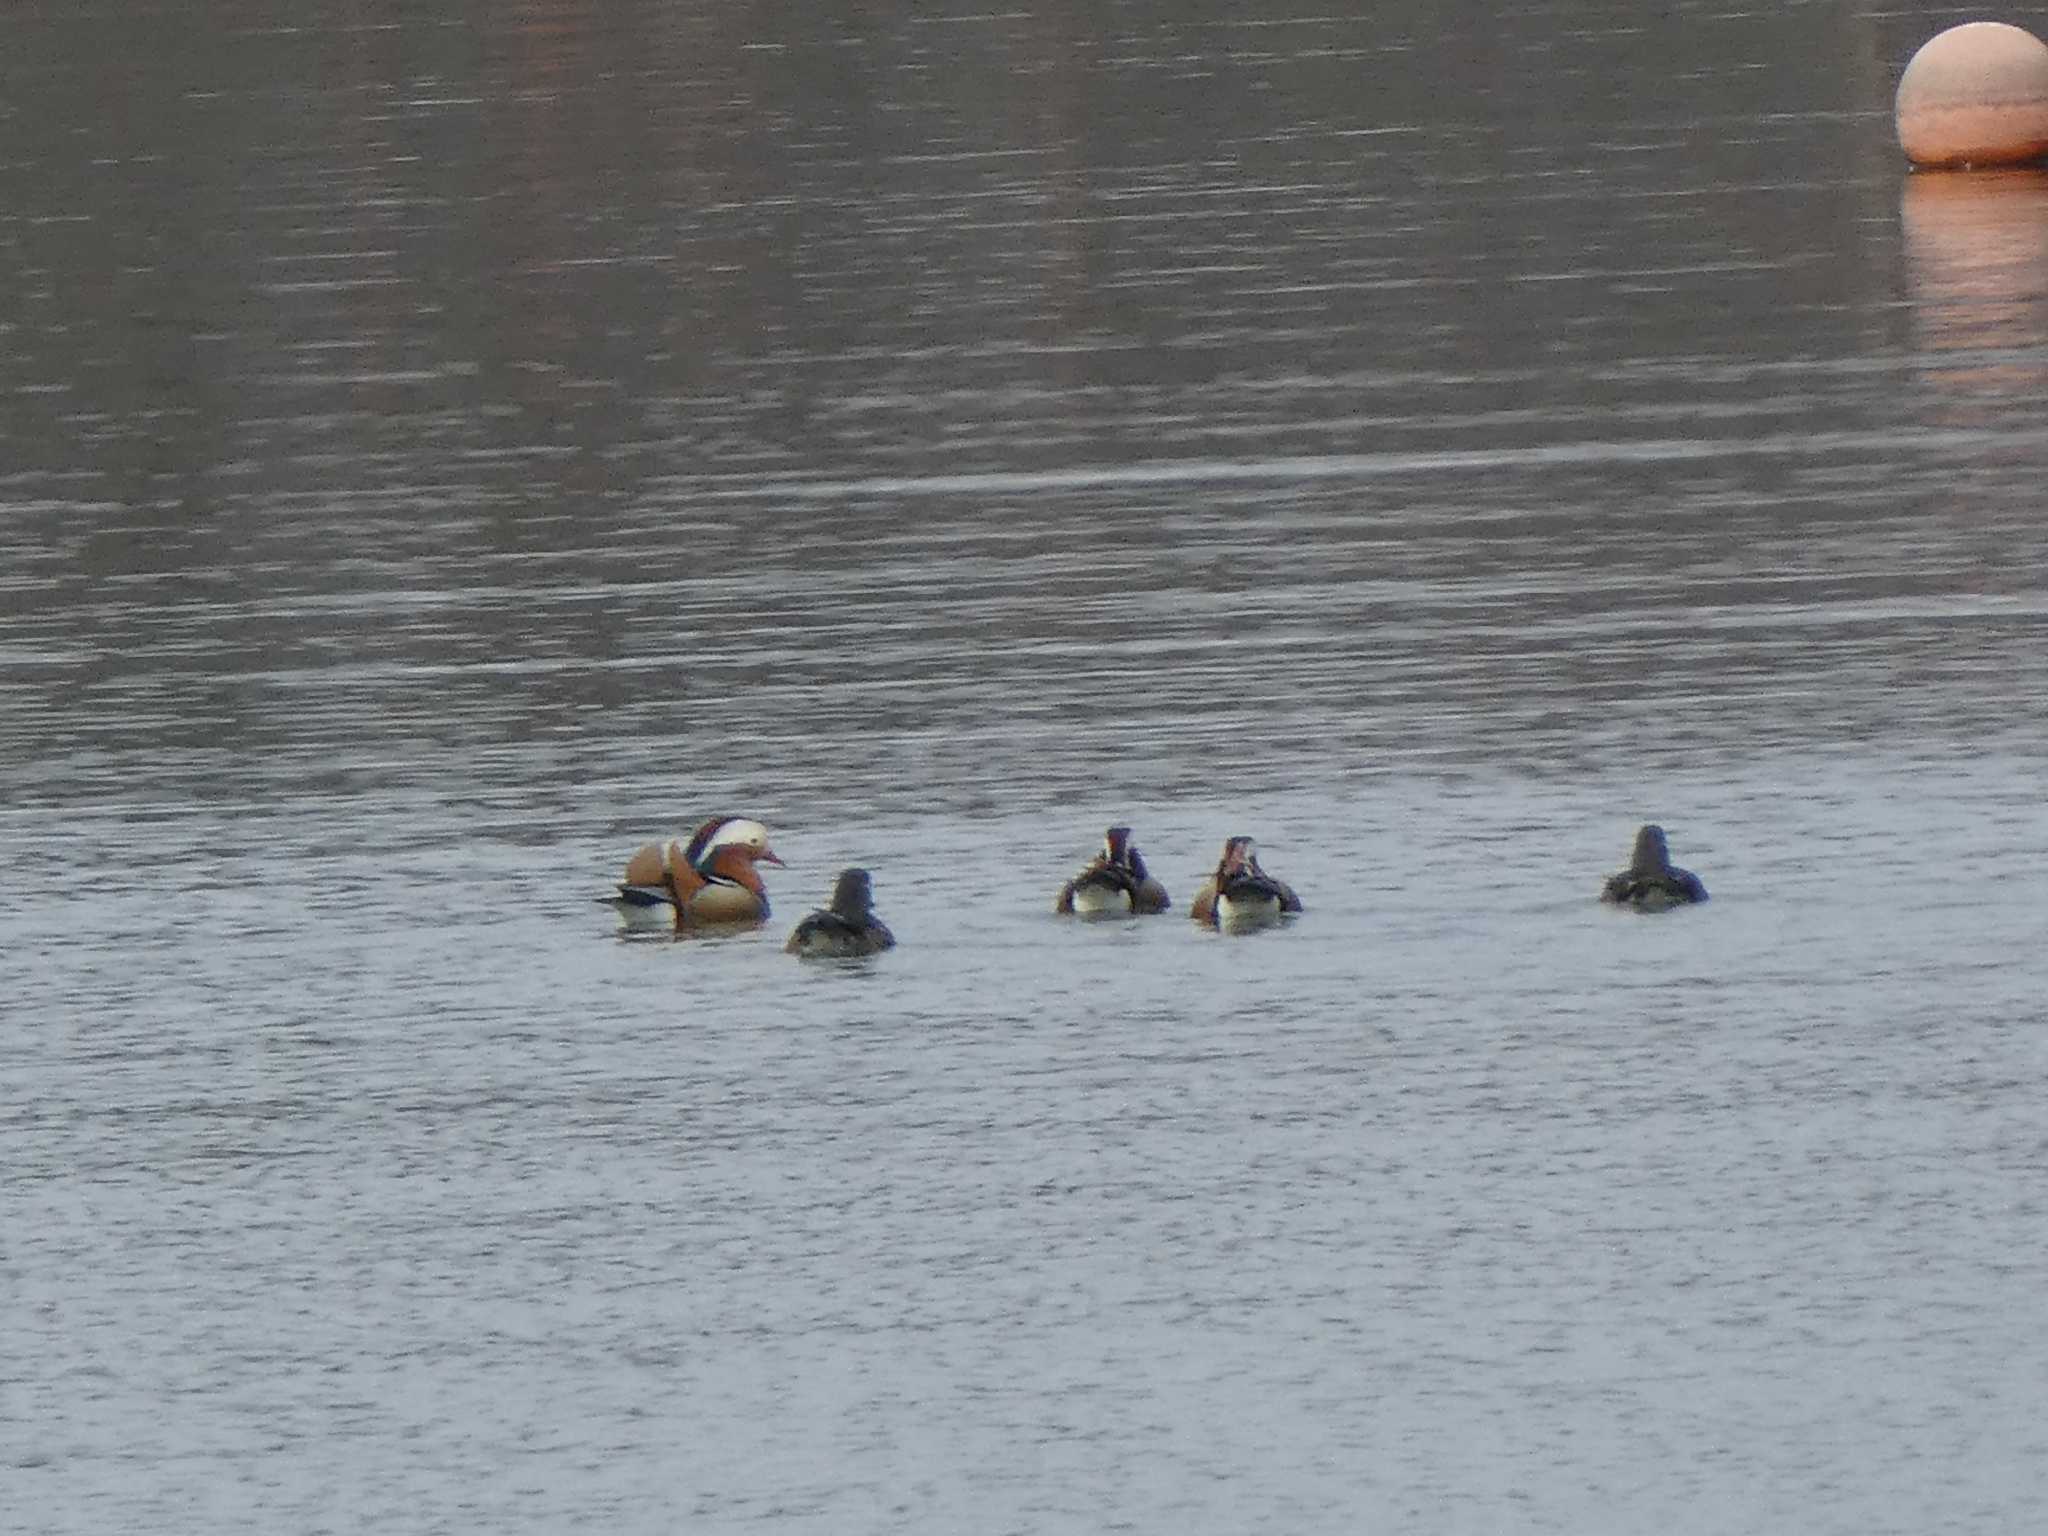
column 1652, row 883
column 1115, row 883
column 846, row 928
column 1241, row 895
column 711, row 883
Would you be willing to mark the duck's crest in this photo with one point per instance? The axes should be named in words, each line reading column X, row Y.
column 720, row 831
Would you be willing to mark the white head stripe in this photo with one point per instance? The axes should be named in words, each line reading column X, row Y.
column 738, row 830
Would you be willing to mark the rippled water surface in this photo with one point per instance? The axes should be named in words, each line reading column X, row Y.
column 443, row 454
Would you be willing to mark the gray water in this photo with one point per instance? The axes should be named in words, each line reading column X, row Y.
column 443, row 453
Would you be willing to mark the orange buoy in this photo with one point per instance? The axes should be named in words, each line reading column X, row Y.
column 1976, row 94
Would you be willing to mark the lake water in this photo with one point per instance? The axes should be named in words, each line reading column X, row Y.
column 443, row 453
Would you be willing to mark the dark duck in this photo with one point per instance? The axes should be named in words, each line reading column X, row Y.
column 1652, row 883
column 848, row 927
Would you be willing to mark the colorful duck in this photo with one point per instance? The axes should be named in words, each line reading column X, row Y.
column 710, row 883
column 1115, row 882
column 1240, row 894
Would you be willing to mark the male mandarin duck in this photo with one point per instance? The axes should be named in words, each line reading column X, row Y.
column 1652, row 883
column 710, row 883
column 1114, row 883
column 847, row 927
column 1240, row 894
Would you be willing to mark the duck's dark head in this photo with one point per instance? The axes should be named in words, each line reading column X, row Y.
column 853, row 895
column 1652, row 857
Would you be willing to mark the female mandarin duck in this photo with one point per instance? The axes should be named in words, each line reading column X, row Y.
column 1242, row 895
column 1115, row 882
column 1652, row 883
column 846, row 928
column 710, row 883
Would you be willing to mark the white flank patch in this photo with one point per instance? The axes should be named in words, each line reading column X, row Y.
column 1100, row 901
column 1255, row 912
column 661, row 914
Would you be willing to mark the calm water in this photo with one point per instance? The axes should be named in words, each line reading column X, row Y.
column 442, row 454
